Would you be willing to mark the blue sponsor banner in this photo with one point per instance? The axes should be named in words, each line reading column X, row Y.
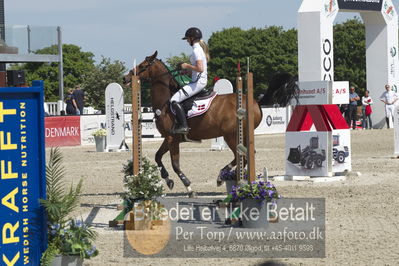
column 22, row 175
column 368, row 5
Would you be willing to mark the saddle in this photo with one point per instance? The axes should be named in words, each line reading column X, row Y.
column 202, row 100
column 203, row 95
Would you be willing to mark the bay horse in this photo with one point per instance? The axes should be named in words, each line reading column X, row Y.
column 219, row 120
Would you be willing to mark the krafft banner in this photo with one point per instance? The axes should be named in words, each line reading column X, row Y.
column 22, row 176
column 370, row 5
column 62, row 131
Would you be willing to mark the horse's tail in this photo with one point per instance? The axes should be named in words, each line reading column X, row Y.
column 282, row 89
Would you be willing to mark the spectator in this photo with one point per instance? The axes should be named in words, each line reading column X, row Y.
column 352, row 108
column 71, row 106
column 80, row 97
column 389, row 97
column 367, row 101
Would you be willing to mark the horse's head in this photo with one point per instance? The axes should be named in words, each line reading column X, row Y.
column 142, row 70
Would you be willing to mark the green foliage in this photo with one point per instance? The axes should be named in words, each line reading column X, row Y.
column 77, row 66
column 59, row 204
column 66, row 236
column 97, row 80
column 49, row 255
column 176, row 61
column 350, row 53
column 146, row 185
column 270, row 50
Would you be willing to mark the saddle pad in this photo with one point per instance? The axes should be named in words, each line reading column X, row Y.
column 200, row 106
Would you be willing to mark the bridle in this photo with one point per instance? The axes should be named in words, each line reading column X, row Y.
column 152, row 78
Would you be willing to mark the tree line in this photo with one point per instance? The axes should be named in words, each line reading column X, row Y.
column 271, row 50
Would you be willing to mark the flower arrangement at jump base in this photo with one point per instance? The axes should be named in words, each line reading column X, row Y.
column 69, row 239
column 100, row 139
column 141, row 191
column 259, row 190
column 229, row 177
column 100, row 133
column 255, row 196
column 146, row 185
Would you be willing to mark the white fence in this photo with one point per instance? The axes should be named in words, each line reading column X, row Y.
column 54, row 108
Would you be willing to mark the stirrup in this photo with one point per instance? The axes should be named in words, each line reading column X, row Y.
column 181, row 130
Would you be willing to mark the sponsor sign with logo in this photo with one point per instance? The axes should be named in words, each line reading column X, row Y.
column 340, row 92
column 327, row 61
column 62, row 131
column 307, row 153
column 368, row 5
column 22, row 176
column 114, row 116
column 273, row 121
column 341, row 153
column 323, row 92
column 388, row 10
column 330, row 7
column 312, row 92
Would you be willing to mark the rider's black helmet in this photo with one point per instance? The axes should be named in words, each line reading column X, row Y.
column 194, row 33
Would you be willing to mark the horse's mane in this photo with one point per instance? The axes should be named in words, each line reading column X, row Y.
column 282, row 88
column 174, row 85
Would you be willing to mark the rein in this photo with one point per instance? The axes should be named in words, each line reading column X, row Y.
column 173, row 73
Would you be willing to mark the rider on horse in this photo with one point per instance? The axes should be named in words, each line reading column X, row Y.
column 198, row 66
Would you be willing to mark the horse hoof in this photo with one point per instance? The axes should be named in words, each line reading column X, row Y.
column 170, row 184
column 192, row 195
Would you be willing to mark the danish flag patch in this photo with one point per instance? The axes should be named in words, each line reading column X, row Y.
column 200, row 106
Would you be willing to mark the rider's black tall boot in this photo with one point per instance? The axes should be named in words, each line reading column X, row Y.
column 182, row 127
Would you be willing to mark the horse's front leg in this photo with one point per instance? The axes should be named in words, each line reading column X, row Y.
column 158, row 159
column 175, row 158
column 227, row 168
column 231, row 141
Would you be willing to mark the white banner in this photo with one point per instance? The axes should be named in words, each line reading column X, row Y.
column 89, row 124
column 315, row 92
column 340, row 92
column 148, row 127
column 323, row 92
column 274, row 121
column 114, row 116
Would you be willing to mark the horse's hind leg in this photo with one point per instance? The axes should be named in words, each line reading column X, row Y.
column 231, row 141
column 158, row 159
column 175, row 158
